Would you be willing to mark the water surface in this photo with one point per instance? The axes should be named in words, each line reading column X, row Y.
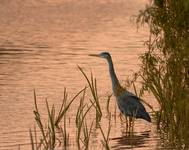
column 41, row 44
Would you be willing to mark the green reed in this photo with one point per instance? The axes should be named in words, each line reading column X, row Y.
column 105, row 141
column 164, row 70
column 93, row 89
column 52, row 134
column 108, row 104
column 43, row 140
column 48, row 130
column 63, row 111
column 81, row 124
column 65, row 134
column 48, row 139
column 32, row 140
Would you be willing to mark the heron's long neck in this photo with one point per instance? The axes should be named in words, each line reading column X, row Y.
column 115, row 81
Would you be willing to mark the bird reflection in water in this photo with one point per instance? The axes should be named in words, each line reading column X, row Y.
column 128, row 142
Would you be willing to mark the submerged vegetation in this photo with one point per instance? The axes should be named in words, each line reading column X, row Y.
column 165, row 66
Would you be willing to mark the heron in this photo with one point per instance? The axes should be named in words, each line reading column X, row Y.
column 128, row 103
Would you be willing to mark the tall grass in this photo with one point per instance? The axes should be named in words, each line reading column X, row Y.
column 105, row 141
column 93, row 89
column 52, row 135
column 83, row 132
column 66, row 107
column 82, row 127
column 108, row 104
column 48, row 129
column 164, row 68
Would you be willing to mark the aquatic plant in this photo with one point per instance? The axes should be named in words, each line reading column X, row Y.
column 81, row 124
column 48, row 129
column 105, row 141
column 82, row 128
column 66, row 107
column 52, row 135
column 92, row 83
column 164, row 68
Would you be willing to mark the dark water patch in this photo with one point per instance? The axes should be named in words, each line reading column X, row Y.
column 131, row 140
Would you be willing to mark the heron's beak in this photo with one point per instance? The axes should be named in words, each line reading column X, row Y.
column 94, row 55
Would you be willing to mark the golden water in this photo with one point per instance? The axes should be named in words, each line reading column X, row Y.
column 41, row 44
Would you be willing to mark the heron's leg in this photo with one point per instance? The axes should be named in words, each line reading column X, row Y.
column 130, row 121
column 126, row 125
column 126, row 122
column 129, row 124
column 133, row 123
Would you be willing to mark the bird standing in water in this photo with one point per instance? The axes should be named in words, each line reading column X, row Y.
column 128, row 103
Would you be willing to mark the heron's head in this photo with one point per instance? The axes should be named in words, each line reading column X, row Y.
column 105, row 55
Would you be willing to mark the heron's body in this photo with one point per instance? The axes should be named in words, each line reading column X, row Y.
column 131, row 106
column 128, row 103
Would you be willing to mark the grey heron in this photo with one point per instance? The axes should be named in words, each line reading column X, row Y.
column 128, row 103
